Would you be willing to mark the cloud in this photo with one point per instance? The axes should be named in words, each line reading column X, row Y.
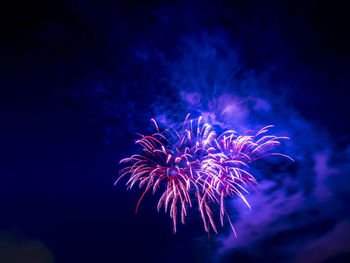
column 298, row 208
column 15, row 247
column 335, row 242
column 298, row 204
column 283, row 208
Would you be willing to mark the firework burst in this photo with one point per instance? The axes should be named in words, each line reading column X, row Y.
column 192, row 161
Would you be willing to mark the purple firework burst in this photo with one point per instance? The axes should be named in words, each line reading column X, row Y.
column 192, row 161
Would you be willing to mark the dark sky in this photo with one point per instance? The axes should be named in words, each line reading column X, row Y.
column 80, row 78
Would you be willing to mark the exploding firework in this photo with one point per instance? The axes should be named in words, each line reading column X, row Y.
column 192, row 161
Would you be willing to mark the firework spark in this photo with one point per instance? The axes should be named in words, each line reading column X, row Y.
column 192, row 161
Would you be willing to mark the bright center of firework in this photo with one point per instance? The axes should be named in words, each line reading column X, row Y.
column 172, row 172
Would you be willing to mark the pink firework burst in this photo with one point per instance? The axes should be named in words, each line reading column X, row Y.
column 226, row 168
column 192, row 161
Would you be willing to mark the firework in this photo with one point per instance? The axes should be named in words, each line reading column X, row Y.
column 226, row 168
column 192, row 161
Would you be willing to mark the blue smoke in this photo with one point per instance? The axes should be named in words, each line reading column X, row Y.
column 302, row 206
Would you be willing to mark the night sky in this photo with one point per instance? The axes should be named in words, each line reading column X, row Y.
column 79, row 79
